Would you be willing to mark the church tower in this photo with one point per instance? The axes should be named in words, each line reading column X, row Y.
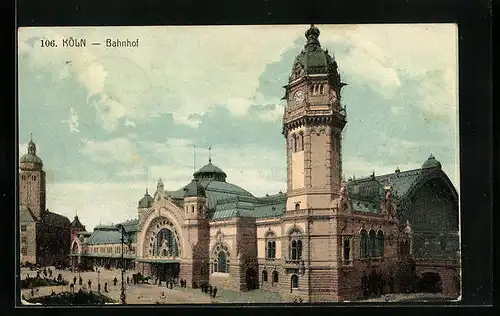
column 32, row 182
column 312, row 125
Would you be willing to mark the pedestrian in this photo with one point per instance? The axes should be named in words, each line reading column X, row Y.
column 128, row 280
column 114, row 281
column 171, row 284
column 98, row 287
column 210, row 290
column 300, row 300
column 80, row 281
column 74, row 279
column 32, row 292
column 215, row 291
column 106, row 287
column 90, row 284
column 72, row 288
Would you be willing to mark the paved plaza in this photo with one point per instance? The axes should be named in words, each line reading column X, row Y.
column 146, row 293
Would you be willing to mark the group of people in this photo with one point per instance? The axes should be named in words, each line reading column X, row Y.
column 207, row 288
column 169, row 283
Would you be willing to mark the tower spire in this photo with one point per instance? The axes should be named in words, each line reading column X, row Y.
column 194, row 157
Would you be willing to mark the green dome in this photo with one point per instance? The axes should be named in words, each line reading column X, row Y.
column 194, row 189
column 314, row 60
column 431, row 162
column 210, row 172
column 31, row 156
column 146, row 201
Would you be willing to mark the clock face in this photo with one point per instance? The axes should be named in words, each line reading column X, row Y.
column 298, row 97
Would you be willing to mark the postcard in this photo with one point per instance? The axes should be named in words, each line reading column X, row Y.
column 238, row 164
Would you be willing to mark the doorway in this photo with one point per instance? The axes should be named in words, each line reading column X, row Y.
column 252, row 279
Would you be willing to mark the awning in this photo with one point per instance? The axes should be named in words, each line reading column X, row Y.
column 101, row 255
column 159, row 260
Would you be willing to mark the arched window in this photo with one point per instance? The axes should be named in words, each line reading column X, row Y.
column 271, row 249
column 295, row 245
column 372, row 244
column 295, row 281
column 321, row 89
column 293, row 140
column 221, row 259
column 222, row 262
column 192, row 208
column 264, row 276
column 297, row 206
column 275, row 276
column 380, row 241
column 296, row 148
column 364, row 244
column 299, row 249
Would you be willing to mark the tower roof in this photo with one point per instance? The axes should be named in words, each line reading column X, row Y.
column 31, row 156
column 76, row 223
column 210, row 172
column 314, row 60
column 194, row 189
column 146, row 200
column 431, row 162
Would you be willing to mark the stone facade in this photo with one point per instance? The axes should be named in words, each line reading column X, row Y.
column 45, row 236
column 324, row 239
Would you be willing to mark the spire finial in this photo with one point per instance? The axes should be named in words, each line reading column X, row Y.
column 31, row 137
column 210, row 154
column 76, row 212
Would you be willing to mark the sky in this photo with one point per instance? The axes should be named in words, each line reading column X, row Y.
column 109, row 122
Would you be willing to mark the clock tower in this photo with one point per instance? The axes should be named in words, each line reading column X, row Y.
column 312, row 125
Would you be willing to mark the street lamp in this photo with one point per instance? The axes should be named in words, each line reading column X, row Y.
column 99, row 281
column 122, row 230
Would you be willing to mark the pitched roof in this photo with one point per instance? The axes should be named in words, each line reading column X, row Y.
column 56, row 219
column 76, row 223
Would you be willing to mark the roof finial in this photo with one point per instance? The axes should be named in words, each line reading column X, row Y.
column 209, row 154
column 31, row 137
column 146, row 171
column 76, row 212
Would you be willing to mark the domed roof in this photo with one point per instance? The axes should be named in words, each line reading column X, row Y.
column 314, row 60
column 210, row 172
column 431, row 162
column 31, row 156
column 146, row 200
column 194, row 188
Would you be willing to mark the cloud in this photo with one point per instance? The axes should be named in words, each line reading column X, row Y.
column 119, row 150
column 221, row 87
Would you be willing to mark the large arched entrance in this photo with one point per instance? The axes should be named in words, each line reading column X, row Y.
column 161, row 249
column 252, row 279
column 430, row 282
